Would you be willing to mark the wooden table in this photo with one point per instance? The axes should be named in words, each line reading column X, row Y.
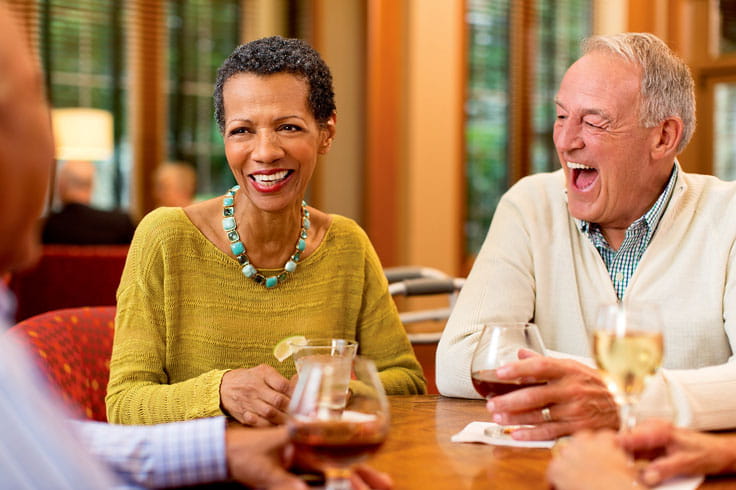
column 419, row 454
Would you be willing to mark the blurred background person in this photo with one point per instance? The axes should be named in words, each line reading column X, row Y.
column 77, row 222
column 174, row 184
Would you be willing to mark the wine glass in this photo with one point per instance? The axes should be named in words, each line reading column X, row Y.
column 628, row 349
column 499, row 344
column 321, row 348
column 330, row 436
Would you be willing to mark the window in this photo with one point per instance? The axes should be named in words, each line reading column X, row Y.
column 201, row 34
column 82, row 51
column 721, row 87
column 83, row 47
column 487, row 115
column 498, row 31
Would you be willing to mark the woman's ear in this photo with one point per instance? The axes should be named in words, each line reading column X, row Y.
column 667, row 138
column 327, row 134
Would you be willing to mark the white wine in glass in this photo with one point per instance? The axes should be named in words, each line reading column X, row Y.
column 628, row 349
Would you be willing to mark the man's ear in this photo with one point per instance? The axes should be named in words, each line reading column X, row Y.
column 666, row 138
column 327, row 131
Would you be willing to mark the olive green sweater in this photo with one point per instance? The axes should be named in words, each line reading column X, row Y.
column 186, row 315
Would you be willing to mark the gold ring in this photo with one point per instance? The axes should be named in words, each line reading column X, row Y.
column 546, row 415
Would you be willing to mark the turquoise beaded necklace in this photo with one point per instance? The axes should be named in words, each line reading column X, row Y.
column 238, row 249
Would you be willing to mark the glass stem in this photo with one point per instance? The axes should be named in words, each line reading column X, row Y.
column 338, row 479
column 627, row 420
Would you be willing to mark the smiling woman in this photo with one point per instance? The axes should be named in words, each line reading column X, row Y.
column 210, row 289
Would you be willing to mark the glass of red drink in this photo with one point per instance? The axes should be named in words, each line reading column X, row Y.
column 332, row 431
column 500, row 344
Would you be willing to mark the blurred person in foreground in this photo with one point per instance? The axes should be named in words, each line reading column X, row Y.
column 653, row 452
column 174, row 184
column 208, row 290
column 41, row 448
column 620, row 222
column 77, row 222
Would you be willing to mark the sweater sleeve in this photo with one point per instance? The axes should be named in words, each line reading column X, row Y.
column 139, row 391
column 700, row 398
column 382, row 336
column 500, row 287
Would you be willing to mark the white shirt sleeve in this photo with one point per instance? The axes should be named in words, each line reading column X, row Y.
column 37, row 449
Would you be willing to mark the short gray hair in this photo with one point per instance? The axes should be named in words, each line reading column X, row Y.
column 667, row 87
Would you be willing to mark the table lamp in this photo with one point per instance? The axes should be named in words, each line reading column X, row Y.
column 82, row 133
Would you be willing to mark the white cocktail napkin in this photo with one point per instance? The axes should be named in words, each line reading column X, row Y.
column 476, row 432
column 681, row 483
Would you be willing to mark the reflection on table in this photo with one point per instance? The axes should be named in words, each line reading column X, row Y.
column 419, row 453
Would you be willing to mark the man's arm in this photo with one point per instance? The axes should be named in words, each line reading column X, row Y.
column 165, row 455
column 500, row 287
column 700, row 398
column 696, row 398
column 36, row 448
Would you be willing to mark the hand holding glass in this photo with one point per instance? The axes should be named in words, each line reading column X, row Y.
column 628, row 348
column 499, row 344
column 331, row 439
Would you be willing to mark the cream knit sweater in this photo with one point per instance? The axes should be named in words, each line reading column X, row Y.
column 536, row 265
column 186, row 315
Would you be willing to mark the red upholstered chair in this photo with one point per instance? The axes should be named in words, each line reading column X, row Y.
column 73, row 347
column 69, row 276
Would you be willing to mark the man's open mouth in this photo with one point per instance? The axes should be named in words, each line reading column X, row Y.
column 583, row 176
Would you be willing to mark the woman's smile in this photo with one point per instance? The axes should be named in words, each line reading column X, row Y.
column 270, row 180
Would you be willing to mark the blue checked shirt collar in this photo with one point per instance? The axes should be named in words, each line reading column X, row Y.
column 622, row 263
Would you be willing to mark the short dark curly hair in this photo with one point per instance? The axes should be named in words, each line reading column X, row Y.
column 276, row 54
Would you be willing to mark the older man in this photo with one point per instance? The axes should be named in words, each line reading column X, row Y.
column 77, row 222
column 620, row 222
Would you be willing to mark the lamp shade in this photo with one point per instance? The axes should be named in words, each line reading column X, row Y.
column 81, row 133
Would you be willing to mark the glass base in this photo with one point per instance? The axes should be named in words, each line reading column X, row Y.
column 504, row 431
column 338, row 479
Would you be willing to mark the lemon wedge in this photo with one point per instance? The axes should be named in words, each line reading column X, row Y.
column 284, row 348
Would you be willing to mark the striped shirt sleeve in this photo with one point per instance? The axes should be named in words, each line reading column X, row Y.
column 166, row 455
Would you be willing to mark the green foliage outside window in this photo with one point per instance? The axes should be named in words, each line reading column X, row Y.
column 201, row 33
column 560, row 25
column 83, row 47
column 81, row 44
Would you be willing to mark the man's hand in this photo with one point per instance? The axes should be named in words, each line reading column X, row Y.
column 574, row 394
column 256, row 397
column 259, row 458
column 676, row 451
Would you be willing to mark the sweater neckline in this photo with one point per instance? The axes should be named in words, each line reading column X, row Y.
column 318, row 251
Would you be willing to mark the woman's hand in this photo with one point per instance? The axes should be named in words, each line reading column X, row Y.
column 592, row 460
column 256, row 397
column 676, row 451
column 574, row 395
